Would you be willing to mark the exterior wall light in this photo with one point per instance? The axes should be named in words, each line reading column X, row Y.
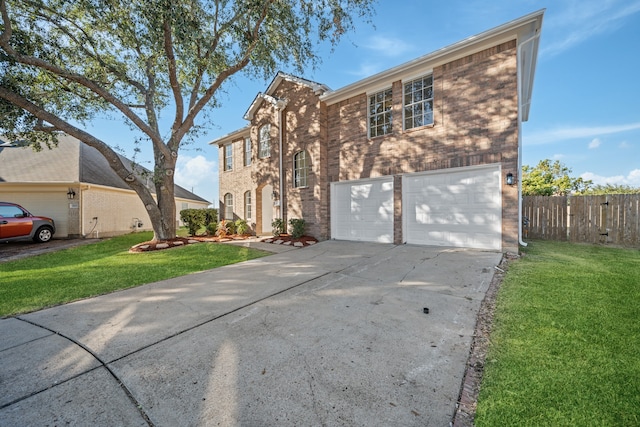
column 510, row 179
column 71, row 194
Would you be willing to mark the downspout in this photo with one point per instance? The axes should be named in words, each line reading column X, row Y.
column 280, row 105
column 519, row 58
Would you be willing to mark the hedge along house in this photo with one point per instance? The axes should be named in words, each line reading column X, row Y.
column 427, row 152
column 74, row 185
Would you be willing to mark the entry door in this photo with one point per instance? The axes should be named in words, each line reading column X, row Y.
column 267, row 208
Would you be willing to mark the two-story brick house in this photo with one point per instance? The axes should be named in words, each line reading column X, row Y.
column 427, row 152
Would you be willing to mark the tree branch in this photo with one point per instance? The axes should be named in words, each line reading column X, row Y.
column 73, row 77
column 173, row 78
column 58, row 124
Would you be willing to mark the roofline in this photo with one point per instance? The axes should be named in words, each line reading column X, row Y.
column 317, row 88
column 224, row 139
column 520, row 29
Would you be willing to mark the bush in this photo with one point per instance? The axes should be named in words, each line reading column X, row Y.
column 194, row 219
column 278, row 226
column 296, row 227
column 212, row 227
column 242, row 227
column 211, row 216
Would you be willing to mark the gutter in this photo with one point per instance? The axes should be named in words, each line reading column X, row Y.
column 520, row 89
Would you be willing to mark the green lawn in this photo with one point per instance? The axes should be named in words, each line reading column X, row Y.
column 565, row 346
column 56, row 278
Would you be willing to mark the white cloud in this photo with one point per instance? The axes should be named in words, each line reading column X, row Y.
column 624, row 145
column 563, row 134
column 387, row 46
column 632, row 178
column 197, row 174
column 595, row 143
column 585, row 19
column 366, row 69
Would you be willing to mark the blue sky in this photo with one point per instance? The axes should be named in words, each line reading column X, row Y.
column 585, row 109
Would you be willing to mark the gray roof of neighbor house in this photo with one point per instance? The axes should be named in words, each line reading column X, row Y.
column 70, row 162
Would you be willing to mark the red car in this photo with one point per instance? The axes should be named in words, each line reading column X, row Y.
column 16, row 223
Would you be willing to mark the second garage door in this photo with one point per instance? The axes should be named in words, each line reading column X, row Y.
column 362, row 210
column 460, row 207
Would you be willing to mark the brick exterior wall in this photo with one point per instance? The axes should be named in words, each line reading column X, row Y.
column 304, row 128
column 475, row 123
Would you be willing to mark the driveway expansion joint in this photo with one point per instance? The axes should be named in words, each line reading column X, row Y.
column 133, row 400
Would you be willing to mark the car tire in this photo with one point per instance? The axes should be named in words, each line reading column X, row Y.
column 44, row 234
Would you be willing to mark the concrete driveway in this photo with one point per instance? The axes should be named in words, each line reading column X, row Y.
column 329, row 335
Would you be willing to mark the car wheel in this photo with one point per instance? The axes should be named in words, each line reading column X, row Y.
column 44, row 234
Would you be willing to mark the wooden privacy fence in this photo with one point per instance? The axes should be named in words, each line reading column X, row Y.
column 611, row 219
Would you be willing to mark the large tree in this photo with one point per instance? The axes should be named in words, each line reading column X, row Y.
column 63, row 63
column 551, row 179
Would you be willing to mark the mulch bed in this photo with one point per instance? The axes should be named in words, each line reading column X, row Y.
column 286, row 239
column 157, row 245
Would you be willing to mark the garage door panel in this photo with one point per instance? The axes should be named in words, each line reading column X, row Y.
column 362, row 210
column 460, row 207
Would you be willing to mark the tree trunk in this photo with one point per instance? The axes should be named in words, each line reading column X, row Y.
column 164, row 226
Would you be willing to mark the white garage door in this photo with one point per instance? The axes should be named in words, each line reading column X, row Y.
column 461, row 207
column 362, row 210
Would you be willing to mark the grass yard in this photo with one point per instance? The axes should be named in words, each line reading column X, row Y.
column 55, row 278
column 565, row 346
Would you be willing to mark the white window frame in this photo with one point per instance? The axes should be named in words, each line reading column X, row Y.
column 248, row 209
column 301, row 172
column 379, row 113
column 264, row 146
column 247, row 151
column 228, row 157
column 414, row 100
column 228, row 207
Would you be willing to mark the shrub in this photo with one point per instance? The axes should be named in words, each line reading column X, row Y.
column 231, row 226
column 194, row 219
column 278, row 226
column 242, row 227
column 212, row 227
column 211, row 215
column 296, row 227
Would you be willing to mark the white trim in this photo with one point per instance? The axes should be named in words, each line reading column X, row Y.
column 415, row 77
column 516, row 29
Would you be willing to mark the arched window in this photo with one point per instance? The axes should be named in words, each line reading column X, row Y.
column 228, row 206
column 300, row 169
column 265, row 141
column 247, row 206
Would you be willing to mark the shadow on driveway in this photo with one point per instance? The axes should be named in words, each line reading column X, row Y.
column 332, row 334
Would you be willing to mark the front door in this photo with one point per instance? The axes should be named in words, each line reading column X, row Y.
column 267, row 209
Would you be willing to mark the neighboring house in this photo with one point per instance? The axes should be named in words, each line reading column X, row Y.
column 74, row 185
column 427, row 152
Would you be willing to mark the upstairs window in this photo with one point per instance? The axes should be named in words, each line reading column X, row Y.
column 228, row 207
column 418, row 102
column 228, row 157
column 300, row 169
column 380, row 113
column 265, row 141
column 247, row 151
